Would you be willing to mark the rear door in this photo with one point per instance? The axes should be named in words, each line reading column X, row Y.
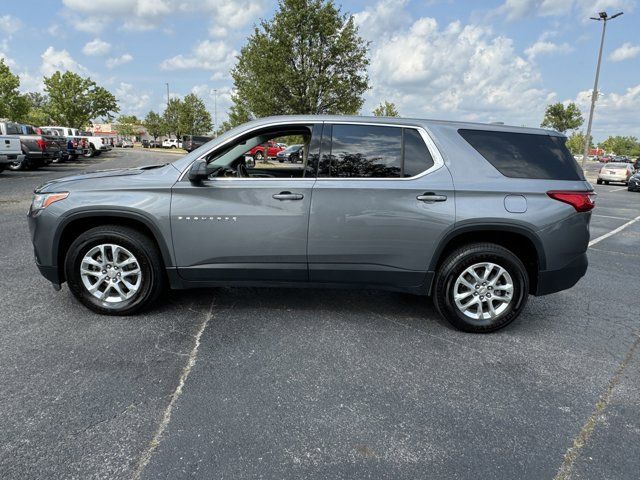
column 382, row 202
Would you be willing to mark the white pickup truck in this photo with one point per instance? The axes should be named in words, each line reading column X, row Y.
column 171, row 143
column 10, row 151
column 95, row 145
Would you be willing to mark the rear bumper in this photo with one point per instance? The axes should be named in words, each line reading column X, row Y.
column 612, row 178
column 552, row 281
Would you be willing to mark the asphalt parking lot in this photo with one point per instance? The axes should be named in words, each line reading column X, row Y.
column 266, row 383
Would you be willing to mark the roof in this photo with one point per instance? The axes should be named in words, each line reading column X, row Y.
column 406, row 121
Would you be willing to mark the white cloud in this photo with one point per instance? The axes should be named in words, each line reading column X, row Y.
column 546, row 48
column 216, row 56
column 624, row 52
column 53, row 60
column 117, row 61
column 382, row 18
column 521, row 9
column 87, row 23
column 457, row 71
column 132, row 101
column 615, row 113
column 9, row 25
column 96, row 47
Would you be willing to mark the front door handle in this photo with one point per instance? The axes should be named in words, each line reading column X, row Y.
column 431, row 197
column 288, row 196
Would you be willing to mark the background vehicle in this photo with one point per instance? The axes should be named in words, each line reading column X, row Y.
column 124, row 143
column 171, row 143
column 90, row 145
column 615, row 172
column 74, row 145
column 270, row 150
column 381, row 211
column 191, row 142
column 38, row 150
column 292, row 154
column 155, row 144
column 10, row 151
column 634, row 182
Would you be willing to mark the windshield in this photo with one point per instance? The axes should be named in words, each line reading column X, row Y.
column 292, row 148
column 617, row 165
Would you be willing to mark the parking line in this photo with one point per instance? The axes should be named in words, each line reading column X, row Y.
column 618, row 189
column 609, row 216
column 614, row 231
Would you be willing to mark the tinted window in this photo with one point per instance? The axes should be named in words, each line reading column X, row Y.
column 417, row 157
column 524, row 155
column 13, row 129
column 365, row 151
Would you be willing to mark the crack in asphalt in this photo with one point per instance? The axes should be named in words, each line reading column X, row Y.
column 573, row 453
column 166, row 417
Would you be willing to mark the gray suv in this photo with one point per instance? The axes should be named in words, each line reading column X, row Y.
column 476, row 216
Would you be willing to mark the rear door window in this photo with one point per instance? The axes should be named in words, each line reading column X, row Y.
column 525, row 155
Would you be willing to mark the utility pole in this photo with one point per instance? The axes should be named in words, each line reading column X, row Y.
column 604, row 18
column 167, row 94
column 215, row 112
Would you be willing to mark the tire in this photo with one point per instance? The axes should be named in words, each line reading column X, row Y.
column 599, row 181
column 91, row 152
column 606, row 182
column 173, row 146
column 453, row 268
column 152, row 280
column 257, row 156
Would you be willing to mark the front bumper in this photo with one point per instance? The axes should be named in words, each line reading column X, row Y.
column 552, row 281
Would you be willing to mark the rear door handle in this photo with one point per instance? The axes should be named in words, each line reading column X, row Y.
column 431, row 197
column 288, row 196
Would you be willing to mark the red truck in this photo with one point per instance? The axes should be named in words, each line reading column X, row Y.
column 258, row 152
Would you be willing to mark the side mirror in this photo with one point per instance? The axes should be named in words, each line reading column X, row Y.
column 198, row 171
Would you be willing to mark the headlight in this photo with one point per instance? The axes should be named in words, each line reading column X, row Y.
column 43, row 200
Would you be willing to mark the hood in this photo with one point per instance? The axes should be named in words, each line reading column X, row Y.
column 55, row 185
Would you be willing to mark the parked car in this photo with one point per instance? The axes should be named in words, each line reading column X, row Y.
column 145, row 143
column 270, row 150
column 126, row 143
column 615, row 172
column 634, row 182
column 291, row 154
column 383, row 204
column 10, row 151
column 72, row 146
column 38, row 150
column 171, row 143
column 191, row 142
column 92, row 146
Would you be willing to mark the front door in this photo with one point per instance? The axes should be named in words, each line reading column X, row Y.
column 382, row 202
column 244, row 229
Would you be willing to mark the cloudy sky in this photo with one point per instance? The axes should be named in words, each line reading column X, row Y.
column 501, row 60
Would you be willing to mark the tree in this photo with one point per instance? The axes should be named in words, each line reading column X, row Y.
column 575, row 143
column 172, row 117
column 128, row 125
column 155, row 125
column 37, row 114
column 386, row 109
column 193, row 116
column 74, row 100
column 619, row 145
column 238, row 114
column 562, row 118
column 12, row 105
column 308, row 59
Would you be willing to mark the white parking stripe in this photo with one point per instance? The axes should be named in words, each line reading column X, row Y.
column 609, row 216
column 618, row 189
column 614, row 231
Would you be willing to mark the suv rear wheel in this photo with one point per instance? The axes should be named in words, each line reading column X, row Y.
column 481, row 288
column 114, row 270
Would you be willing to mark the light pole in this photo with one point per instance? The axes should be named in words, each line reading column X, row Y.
column 604, row 18
column 167, row 94
column 215, row 112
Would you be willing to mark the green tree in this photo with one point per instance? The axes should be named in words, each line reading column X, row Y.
column 74, row 100
column 308, row 59
column 194, row 119
column 621, row 146
column 386, row 109
column 155, row 125
column 13, row 105
column 37, row 114
column 562, row 118
column 172, row 117
column 575, row 143
column 128, row 125
column 238, row 114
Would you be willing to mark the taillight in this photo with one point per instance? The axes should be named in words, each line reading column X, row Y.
column 581, row 201
column 41, row 144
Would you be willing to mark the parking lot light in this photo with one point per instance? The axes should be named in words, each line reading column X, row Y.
column 604, row 18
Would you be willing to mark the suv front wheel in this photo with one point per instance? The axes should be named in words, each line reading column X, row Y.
column 481, row 288
column 114, row 270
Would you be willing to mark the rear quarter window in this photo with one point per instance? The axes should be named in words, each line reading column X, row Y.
column 525, row 155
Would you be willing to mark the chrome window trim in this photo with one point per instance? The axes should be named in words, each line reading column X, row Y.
column 438, row 161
